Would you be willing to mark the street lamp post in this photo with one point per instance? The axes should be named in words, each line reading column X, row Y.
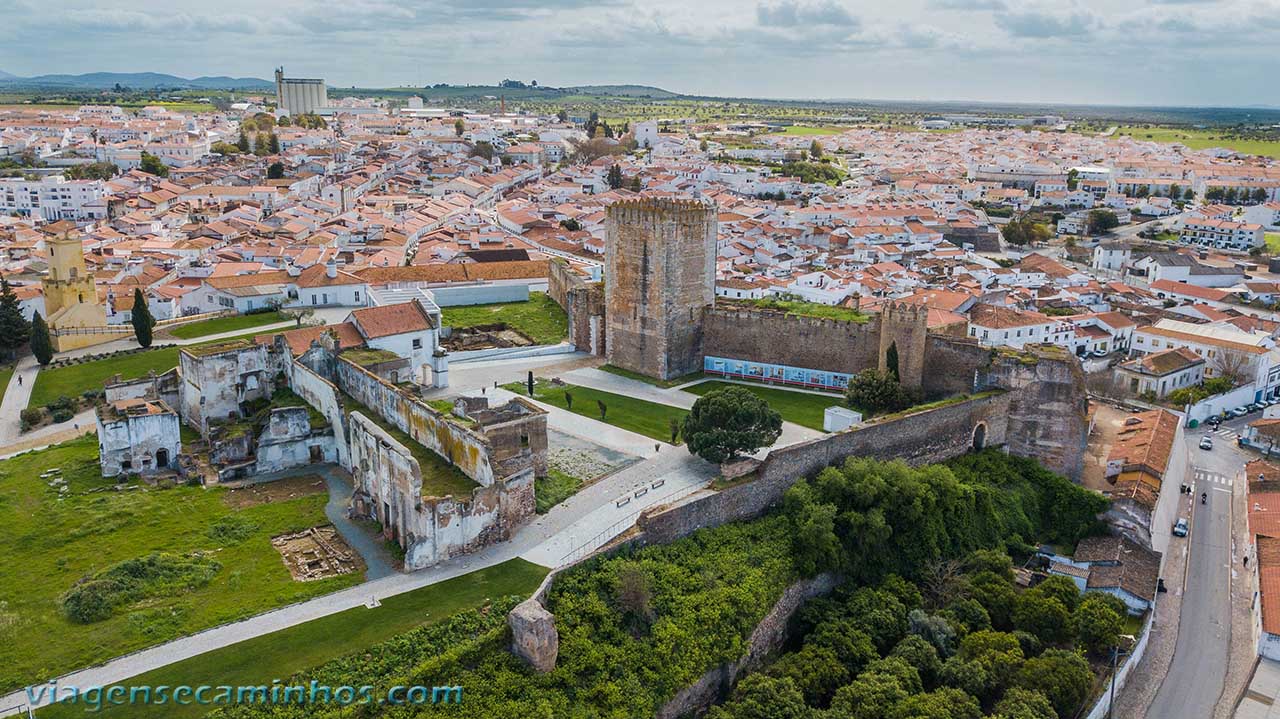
column 1115, row 660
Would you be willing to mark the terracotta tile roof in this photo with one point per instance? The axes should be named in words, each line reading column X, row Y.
column 299, row 340
column 1269, row 583
column 1146, row 441
column 469, row 272
column 993, row 317
column 1120, row 563
column 1164, row 362
column 387, row 320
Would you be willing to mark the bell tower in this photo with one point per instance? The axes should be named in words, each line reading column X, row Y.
column 69, row 282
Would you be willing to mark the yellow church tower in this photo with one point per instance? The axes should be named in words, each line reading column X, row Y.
column 70, row 298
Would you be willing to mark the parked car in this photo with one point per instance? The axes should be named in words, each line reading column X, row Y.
column 1257, row 407
column 1239, row 411
column 1099, row 354
column 1180, row 528
column 1206, row 443
column 1213, row 421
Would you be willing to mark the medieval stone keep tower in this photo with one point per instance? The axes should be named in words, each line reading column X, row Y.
column 659, row 280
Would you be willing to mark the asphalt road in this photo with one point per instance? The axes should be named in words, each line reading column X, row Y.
column 1191, row 688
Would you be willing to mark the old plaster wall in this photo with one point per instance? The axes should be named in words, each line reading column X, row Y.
column 388, row 489
column 460, row 446
column 137, row 439
column 289, row 441
column 323, row 395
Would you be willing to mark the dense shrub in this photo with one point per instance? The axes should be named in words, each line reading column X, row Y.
column 95, row 597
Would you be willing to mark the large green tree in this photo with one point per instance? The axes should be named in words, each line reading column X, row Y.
column 153, row 165
column 1063, row 676
column 874, row 391
column 614, row 177
column 1101, row 221
column 141, row 319
column 15, row 330
column 763, row 697
column 729, row 422
column 41, row 345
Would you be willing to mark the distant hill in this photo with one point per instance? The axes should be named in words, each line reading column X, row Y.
column 625, row 91
column 5, row 76
column 135, row 80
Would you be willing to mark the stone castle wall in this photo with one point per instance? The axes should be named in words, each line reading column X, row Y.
column 775, row 338
column 920, row 438
column 660, row 277
column 583, row 303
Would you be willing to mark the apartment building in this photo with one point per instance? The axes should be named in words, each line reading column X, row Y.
column 1222, row 234
column 53, row 198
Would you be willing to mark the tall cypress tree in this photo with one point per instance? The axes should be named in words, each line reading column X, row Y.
column 891, row 359
column 14, row 328
column 41, row 345
column 141, row 318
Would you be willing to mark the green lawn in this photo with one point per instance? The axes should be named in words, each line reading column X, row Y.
column 802, row 408
column 218, row 325
column 48, row 543
column 439, row 478
column 280, row 654
column 635, row 415
column 554, row 489
column 540, row 317
column 72, row 380
column 1201, row 139
column 1273, row 242
column 78, row 378
column 800, row 308
column 6, row 374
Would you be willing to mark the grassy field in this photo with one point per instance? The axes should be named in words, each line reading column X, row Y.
column 279, row 654
column 802, row 408
column 1273, row 242
column 218, row 325
column 50, row 540
column 75, row 379
column 540, row 318
column 635, row 415
column 1201, row 139
column 554, row 489
column 6, row 374
column 72, row 380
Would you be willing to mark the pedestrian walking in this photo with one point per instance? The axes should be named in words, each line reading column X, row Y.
column 19, row 380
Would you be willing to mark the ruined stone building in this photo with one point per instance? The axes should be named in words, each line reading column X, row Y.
column 659, row 280
column 264, row 406
column 137, row 436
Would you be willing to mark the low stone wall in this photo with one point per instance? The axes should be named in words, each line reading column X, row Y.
column 921, row 438
column 765, row 641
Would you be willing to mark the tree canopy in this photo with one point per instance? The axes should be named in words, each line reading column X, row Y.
column 728, row 422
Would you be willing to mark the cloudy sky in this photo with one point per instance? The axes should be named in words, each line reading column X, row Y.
column 1186, row 52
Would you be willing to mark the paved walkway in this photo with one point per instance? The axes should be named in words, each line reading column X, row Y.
column 1262, row 696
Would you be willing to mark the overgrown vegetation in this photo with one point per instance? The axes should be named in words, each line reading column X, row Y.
column 799, row 308
column 638, row 626
column 96, row 597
